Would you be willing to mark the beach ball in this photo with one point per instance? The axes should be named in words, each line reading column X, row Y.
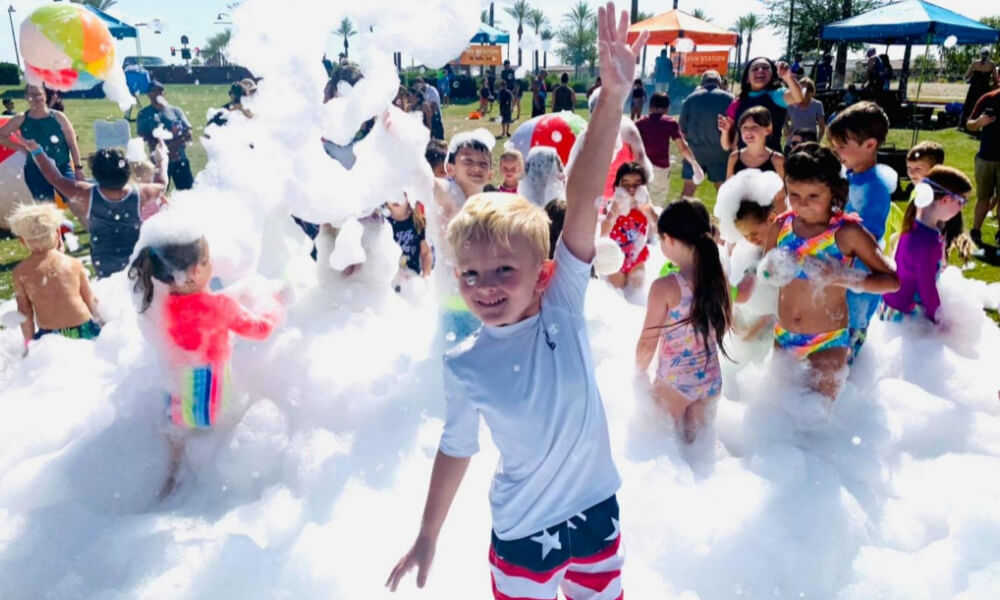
column 555, row 130
column 66, row 47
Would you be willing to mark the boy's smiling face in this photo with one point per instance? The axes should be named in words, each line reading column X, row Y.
column 501, row 285
column 916, row 170
column 472, row 169
column 856, row 155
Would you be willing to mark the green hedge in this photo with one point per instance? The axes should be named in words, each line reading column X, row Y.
column 9, row 74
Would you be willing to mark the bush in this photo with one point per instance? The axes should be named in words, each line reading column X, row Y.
column 580, row 86
column 9, row 74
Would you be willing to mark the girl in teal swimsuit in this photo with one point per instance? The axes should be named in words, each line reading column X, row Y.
column 818, row 241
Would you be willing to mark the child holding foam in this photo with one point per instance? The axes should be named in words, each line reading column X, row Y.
column 555, row 515
column 197, row 325
column 51, row 288
column 921, row 254
column 816, row 243
column 629, row 219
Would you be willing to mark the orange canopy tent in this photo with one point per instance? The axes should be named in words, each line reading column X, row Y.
column 664, row 29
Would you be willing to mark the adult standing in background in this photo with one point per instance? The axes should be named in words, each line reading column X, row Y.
column 761, row 86
column 433, row 100
column 160, row 112
column 663, row 72
column 563, row 97
column 53, row 132
column 507, row 75
column 985, row 119
column 699, row 123
column 982, row 77
column 824, row 73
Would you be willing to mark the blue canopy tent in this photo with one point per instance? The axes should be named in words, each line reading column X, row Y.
column 910, row 22
column 490, row 35
column 117, row 27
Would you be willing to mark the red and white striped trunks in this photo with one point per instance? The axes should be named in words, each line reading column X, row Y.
column 583, row 556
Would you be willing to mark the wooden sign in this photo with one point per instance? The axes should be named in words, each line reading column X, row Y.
column 481, row 55
column 696, row 63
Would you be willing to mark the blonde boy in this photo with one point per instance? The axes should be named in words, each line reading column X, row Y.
column 50, row 287
column 530, row 374
column 512, row 169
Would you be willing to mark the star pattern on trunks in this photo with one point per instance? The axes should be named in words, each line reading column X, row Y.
column 614, row 534
column 548, row 541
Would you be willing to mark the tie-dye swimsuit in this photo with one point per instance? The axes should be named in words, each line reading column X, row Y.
column 823, row 247
column 199, row 324
column 686, row 364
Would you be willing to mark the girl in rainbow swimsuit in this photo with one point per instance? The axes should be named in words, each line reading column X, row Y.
column 197, row 325
column 814, row 244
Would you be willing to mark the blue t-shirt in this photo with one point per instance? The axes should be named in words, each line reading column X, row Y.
column 869, row 197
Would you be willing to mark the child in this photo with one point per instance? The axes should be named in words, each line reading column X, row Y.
column 921, row 253
column 687, row 315
column 50, row 287
column 856, row 135
column 851, row 96
column 409, row 229
column 143, row 171
column 8, row 107
column 818, row 241
column 469, row 168
column 656, row 130
column 755, row 127
column 544, row 177
column 436, row 154
column 555, row 515
column 506, row 98
column 511, row 167
column 799, row 136
column 484, row 98
column 537, row 99
column 638, row 99
column 808, row 114
column 197, row 325
column 112, row 210
column 628, row 222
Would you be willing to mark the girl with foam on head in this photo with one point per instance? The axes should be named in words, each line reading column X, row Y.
column 687, row 315
column 628, row 221
column 196, row 326
column 920, row 256
column 810, row 249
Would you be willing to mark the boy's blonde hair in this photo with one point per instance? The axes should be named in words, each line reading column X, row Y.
column 143, row 171
column 497, row 217
column 513, row 155
column 38, row 225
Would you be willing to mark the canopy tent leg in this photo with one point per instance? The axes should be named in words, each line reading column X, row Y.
column 904, row 74
column 920, row 85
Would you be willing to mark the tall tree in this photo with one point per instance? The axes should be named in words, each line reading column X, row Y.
column 484, row 16
column 98, row 4
column 346, row 30
column 578, row 36
column 538, row 20
column 738, row 29
column 700, row 14
column 810, row 16
column 750, row 24
column 643, row 15
column 519, row 12
column 215, row 45
column 547, row 36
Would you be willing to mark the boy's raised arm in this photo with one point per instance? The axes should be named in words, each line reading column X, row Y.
column 590, row 166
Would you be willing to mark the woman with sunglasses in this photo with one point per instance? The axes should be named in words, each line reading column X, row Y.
column 761, row 86
column 921, row 254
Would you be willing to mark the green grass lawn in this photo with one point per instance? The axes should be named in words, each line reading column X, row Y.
column 196, row 100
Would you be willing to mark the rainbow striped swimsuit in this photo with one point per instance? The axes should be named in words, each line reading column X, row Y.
column 201, row 396
column 822, row 246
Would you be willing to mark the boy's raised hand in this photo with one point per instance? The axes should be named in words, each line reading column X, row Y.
column 616, row 54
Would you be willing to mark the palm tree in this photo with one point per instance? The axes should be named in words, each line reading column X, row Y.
column 700, row 14
column 346, row 30
column 579, row 16
column 519, row 12
column 750, row 24
column 739, row 30
column 215, row 45
column 643, row 15
column 547, row 36
column 484, row 16
column 538, row 20
column 98, row 4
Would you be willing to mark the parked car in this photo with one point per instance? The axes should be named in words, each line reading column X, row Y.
column 144, row 61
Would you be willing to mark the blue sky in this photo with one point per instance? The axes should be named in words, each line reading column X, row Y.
column 195, row 18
